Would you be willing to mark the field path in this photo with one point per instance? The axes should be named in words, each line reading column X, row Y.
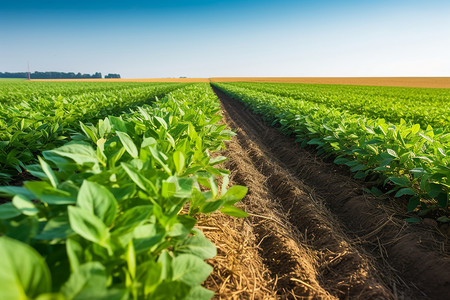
column 317, row 234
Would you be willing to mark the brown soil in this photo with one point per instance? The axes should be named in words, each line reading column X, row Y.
column 425, row 82
column 312, row 233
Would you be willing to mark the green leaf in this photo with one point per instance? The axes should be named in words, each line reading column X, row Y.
column 79, row 152
column 98, row 200
column 179, row 161
column 56, row 228
column 127, row 142
column 340, row 161
column 199, row 293
column 138, row 178
column 234, row 212
column 170, row 290
column 48, row 194
column 392, row 152
column 402, row 181
column 132, row 217
column 217, row 160
column 358, row 167
column 8, row 211
column 443, row 219
column 442, row 199
column 89, row 132
column 376, row 191
column 23, row 272
column 8, row 191
column 413, row 203
column 147, row 236
column 198, row 245
column 234, row 194
column 413, row 220
column 404, row 191
column 49, row 172
column 25, row 206
column 117, row 124
column 415, row 128
column 190, row 269
column 88, row 225
column 88, row 282
column 210, row 206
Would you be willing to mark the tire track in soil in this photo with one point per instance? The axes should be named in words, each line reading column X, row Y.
column 359, row 250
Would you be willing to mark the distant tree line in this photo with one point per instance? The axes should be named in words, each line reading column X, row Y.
column 110, row 75
column 55, row 75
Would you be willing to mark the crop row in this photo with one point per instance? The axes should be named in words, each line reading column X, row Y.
column 116, row 207
column 17, row 91
column 28, row 127
column 414, row 105
column 406, row 159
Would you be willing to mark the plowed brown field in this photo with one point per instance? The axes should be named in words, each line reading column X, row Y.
column 312, row 233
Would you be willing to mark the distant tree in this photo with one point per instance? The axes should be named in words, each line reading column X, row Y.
column 13, row 75
column 49, row 75
column 111, row 75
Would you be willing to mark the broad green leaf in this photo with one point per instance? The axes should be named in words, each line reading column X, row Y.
column 198, row 245
column 199, row 293
column 48, row 194
column 211, row 206
column 234, row 194
column 415, row 128
column 25, row 206
column 179, row 161
column 190, row 269
column 217, row 160
column 404, row 191
column 170, row 290
column 128, row 143
column 79, row 152
column 98, row 200
column 402, row 181
column 88, row 225
column 413, row 203
column 9, row 191
column 88, row 282
column 23, row 272
column 233, row 211
column 117, row 124
column 138, row 178
column 56, row 228
column 147, row 236
column 392, row 152
column 8, row 211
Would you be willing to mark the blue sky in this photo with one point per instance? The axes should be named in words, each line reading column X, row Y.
column 199, row 38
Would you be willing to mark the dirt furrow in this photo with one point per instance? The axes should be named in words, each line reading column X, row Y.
column 318, row 235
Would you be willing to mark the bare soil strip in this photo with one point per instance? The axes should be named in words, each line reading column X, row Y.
column 312, row 233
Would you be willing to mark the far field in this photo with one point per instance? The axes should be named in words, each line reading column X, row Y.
column 225, row 188
column 426, row 82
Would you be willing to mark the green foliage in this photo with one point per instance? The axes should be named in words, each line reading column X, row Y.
column 420, row 106
column 117, row 207
column 412, row 159
column 37, row 116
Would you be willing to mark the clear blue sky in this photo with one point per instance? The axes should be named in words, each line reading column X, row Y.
column 200, row 38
